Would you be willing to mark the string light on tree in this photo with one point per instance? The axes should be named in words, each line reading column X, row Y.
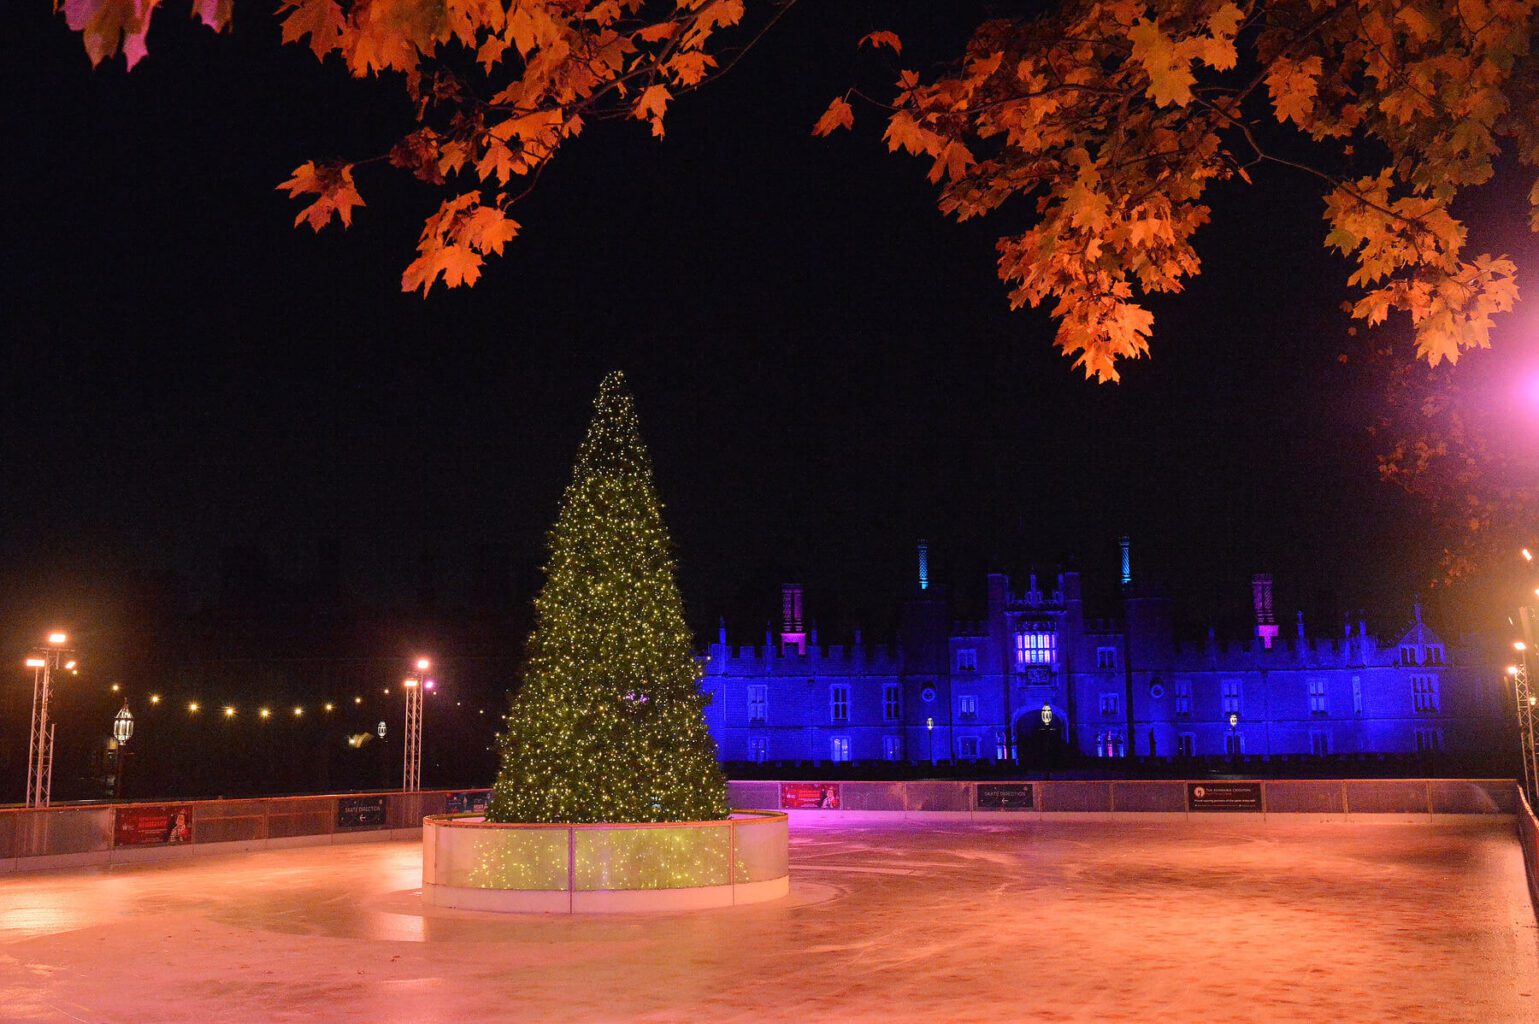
column 609, row 724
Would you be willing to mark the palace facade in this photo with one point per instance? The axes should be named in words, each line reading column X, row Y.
column 1036, row 676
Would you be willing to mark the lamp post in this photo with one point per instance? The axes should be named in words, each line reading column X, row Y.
column 44, row 661
column 1234, row 740
column 122, row 731
column 929, row 728
column 411, row 758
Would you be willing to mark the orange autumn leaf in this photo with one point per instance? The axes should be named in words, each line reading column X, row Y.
column 333, row 188
column 880, row 39
column 838, row 115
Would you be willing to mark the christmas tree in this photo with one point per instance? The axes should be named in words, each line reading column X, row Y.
column 609, row 723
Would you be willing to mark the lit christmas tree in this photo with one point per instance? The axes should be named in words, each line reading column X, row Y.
column 609, row 724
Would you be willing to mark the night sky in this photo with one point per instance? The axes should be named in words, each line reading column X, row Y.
column 826, row 369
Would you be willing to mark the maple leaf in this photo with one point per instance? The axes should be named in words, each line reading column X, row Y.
column 1170, row 75
column 651, row 105
column 657, row 32
column 321, row 20
column 880, row 39
column 107, row 26
column 213, row 13
column 1293, row 85
column 333, row 186
column 689, row 67
column 839, row 115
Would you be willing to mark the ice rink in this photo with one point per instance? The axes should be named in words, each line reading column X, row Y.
column 1213, row 921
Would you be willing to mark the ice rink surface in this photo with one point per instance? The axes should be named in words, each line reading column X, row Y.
column 1214, row 921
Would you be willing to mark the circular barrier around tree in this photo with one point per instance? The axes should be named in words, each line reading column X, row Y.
column 472, row 864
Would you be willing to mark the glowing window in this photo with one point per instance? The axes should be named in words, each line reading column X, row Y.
column 1183, row 696
column 1110, row 704
column 1001, row 749
column 892, row 748
column 838, row 748
column 1106, row 658
column 1317, row 705
column 1231, row 696
column 892, row 702
column 758, row 702
column 967, row 706
column 1035, row 648
column 758, row 749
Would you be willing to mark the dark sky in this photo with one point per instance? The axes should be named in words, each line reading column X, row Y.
column 826, row 369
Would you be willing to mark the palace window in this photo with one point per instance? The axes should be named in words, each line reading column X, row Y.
column 967, row 706
column 967, row 746
column 892, row 748
column 758, row 701
column 1186, row 745
column 1317, row 705
column 1434, row 654
column 1109, row 705
column 1424, row 694
column 1106, row 658
column 1001, row 749
column 892, row 702
column 1319, row 743
column 1234, row 744
column 1357, row 695
column 1429, row 741
column 1231, row 696
column 1408, row 655
column 758, row 749
column 1108, row 743
column 838, row 748
column 1035, row 648
column 1184, row 697
column 839, row 703
column 967, row 659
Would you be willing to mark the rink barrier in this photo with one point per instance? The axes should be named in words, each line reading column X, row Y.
column 1528, row 836
column 469, row 863
column 69, row 836
column 1052, row 799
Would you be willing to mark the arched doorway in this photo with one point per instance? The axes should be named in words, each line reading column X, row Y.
column 1040, row 744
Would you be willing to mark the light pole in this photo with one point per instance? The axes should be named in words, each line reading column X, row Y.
column 1525, row 700
column 1234, row 740
column 122, row 731
column 44, row 661
column 929, row 728
column 416, row 686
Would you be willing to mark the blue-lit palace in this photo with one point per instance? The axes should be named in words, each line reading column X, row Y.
column 1037, row 674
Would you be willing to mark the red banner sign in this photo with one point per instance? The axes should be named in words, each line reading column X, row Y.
column 153, row 826
column 809, row 795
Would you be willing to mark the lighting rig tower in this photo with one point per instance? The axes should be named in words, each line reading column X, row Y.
column 416, row 686
column 44, row 661
column 1526, row 701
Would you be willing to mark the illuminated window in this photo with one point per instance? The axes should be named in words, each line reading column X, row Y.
column 838, row 748
column 1106, row 658
column 758, row 749
column 1035, row 648
column 1231, row 696
column 1424, row 694
column 892, row 748
column 1001, row 748
column 1319, row 743
column 839, row 703
column 892, row 702
column 967, row 659
column 1186, row 745
column 1429, row 741
column 967, row 746
column 967, row 706
column 1109, row 705
column 1234, row 744
column 1183, row 697
column 758, row 702
column 1317, row 704
column 1108, row 743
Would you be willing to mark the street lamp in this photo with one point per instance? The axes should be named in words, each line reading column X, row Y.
column 44, row 661
column 411, row 753
column 1047, row 716
column 122, row 731
column 1234, row 741
column 929, row 727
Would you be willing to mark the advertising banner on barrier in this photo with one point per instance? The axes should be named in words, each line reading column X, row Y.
column 1223, row 796
column 470, row 802
column 809, row 796
column 152, row 826
column 1005, row 796
column 360, row 812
